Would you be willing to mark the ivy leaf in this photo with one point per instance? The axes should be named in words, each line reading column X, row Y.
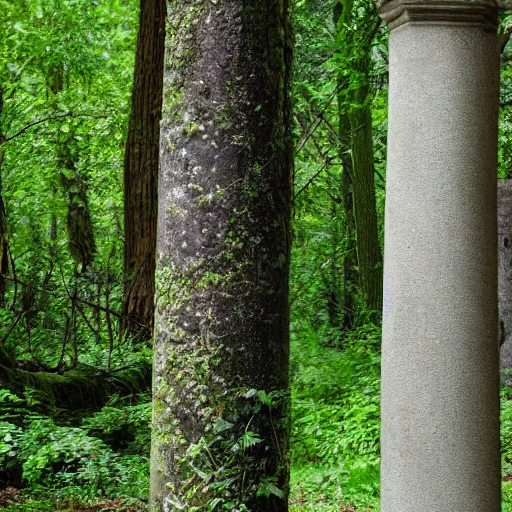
column 267, row 488
column 221, row 425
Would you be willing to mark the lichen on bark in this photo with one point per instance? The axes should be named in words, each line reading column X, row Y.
column 222, row 342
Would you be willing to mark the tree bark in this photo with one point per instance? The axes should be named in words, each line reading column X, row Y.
column 350, row 255
column 356, row 124
column 369, row 253
column 350, row 275
column 221, row 405
column 4, row 244
column 332, row 275
column 141, row 172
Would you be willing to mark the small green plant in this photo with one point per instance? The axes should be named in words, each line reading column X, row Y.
column 335, row 417
column 225, row 462
column 124, row 428
column 77, row 463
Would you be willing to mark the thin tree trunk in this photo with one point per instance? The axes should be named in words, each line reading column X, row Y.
column 4, row 244
column 332, row 275
column 141, row 172
column 342, row 15
column 355, row 124
column 350, row 274
column 369, row 254
column 221, row 403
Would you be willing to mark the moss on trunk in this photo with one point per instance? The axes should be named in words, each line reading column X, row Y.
column 222, row 341
column 85, row 387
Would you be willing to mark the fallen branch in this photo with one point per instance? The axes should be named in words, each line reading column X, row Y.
column 84, row 387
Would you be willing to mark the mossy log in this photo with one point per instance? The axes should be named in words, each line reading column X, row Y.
column 85, row 387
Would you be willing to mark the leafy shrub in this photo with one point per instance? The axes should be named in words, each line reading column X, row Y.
column 70, row 463
column 223, row 467
column 335, row 415
column 124, row 428
column 67, row 462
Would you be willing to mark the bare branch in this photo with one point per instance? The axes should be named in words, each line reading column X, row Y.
column 62, row 115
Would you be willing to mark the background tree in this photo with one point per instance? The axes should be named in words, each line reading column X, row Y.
column 141, row 172
column 354, row 38
column 4, row 243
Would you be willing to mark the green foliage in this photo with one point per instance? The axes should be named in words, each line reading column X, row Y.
column 81, row 463
column 506, row 448
column 335, row 374
column 125, row 427
column 224, row 464
column 505, row 112
column 326, row 76
column 71, row 62
column 65, row 462
column 335, row 430
column 506, row 431
column 34, row 506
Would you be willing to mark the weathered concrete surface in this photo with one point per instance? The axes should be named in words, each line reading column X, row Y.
column 505, row 275
column 440, row 377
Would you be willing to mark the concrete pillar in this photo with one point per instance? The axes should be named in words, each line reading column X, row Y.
column 440, row 368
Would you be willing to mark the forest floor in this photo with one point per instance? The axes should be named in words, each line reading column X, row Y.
column 11, row 500
column 335, row 435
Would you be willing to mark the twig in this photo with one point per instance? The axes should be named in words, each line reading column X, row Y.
column 64, row 343
column 99, row 308
column 13, row 326
column 316, row 123
column 46, row 119
column 109, row 326
column 15, row 278
column 311, row 180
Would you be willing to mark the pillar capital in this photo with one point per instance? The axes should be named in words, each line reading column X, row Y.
column 468, row 12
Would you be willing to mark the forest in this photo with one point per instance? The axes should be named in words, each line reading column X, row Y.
column 207, row 336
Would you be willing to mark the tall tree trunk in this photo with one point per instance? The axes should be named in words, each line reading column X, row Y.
column 141, row 172
column 332, row 274
column 4, row 244
column 350, row 275
column 369, row 254
column 221, row 405
column 342, row 14
column 356, row 123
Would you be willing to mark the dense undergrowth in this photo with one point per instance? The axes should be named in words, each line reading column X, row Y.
column 68, row 459
column 86, row 459
column 335, row 432
column 100, row 461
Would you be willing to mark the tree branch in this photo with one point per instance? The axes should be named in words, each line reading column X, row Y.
column 62, row 115
column 505, row 38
